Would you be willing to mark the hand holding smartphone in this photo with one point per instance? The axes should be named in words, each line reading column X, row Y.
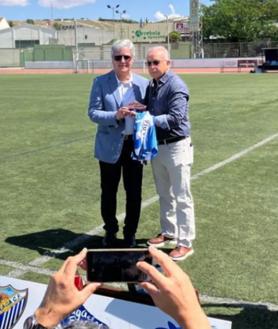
column 116, row 265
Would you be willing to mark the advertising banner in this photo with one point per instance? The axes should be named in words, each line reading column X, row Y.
column 19, row 299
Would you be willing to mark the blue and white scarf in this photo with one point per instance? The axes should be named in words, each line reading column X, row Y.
column 145, row 142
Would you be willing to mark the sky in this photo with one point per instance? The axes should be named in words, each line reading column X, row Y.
column 153, row 10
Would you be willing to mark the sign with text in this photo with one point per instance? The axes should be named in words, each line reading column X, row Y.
column 143, row 35
column 110, row 312
column 182, row 27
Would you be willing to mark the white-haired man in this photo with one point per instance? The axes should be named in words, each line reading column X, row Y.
column 167, row 99
column 111, row 96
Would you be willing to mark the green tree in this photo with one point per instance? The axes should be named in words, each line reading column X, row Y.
column 30, row 21
column 174, row 36
column 240, row 20
column 57, row 26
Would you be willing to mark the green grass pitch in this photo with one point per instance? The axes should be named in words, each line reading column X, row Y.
column 49, row 193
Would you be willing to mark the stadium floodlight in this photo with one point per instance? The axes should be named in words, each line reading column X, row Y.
column 113, row 14
column 113, row 9
column 121, row 13
column 168, row 32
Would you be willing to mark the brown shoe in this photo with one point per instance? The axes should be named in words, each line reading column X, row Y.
column 160, row 240
column 181, row 253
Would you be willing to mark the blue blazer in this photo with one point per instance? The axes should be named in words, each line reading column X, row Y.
column 103, row 104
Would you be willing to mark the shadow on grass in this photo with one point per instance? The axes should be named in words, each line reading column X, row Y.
column 58, row 243
column 248, row 317
column 61, row 243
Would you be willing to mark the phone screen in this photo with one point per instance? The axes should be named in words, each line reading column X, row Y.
column 116, row 265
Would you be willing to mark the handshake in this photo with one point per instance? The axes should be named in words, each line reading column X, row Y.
column 129, row 110
column 136, row 106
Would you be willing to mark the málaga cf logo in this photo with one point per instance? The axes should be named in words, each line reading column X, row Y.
column 12, row 304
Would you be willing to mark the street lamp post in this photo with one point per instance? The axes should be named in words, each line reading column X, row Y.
column 121, row 17
column 113, row 16
column 76, row 46
column 120, row 13
column 113, row 10
column 168, row 38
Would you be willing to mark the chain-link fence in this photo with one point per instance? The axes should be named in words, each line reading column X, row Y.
column 182, row 50
column 237, row 49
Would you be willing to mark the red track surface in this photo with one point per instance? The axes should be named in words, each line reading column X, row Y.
column 101, row 71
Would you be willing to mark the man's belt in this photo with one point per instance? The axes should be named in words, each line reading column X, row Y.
column 171, row 140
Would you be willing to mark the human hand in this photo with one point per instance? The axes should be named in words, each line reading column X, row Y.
column 123, row 112
column 137, row 106
column 173, row 292
column 62, row 296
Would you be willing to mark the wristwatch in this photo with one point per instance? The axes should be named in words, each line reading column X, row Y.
column 32, row 323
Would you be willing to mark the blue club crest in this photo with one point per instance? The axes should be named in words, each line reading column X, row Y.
column 83, row 315
column 12, row 305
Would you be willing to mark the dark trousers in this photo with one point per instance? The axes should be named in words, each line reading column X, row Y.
column 110, row 174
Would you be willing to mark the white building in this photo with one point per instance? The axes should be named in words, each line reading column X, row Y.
column 27, row 35
column 83, row 35
column 3, row 23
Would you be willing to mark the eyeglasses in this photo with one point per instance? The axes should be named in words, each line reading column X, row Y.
column 118, row 58
column 155, row 62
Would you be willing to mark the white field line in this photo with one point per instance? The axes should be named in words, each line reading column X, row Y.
column 25, row 268
column 81, row 239
column 237, row 303
column 204, row 298
column 235, row 156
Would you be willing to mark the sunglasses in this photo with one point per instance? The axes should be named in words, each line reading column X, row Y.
column 118, row 58
column 155, row 62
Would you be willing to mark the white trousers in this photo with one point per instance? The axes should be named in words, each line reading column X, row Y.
column 171, row 170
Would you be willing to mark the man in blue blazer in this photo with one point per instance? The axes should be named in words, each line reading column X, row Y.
column 110, row 107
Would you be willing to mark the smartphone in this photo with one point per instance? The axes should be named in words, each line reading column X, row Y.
column 116, row 265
